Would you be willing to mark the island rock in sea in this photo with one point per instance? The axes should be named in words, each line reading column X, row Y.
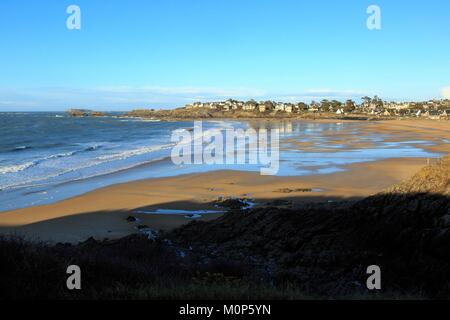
column 84, row 113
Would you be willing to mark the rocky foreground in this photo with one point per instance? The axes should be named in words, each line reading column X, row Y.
column 325, row 249
column 318, row 251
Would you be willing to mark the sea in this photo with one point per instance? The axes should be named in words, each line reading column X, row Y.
column 48, row 157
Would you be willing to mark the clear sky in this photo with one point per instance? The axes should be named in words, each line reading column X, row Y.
column 165, row 53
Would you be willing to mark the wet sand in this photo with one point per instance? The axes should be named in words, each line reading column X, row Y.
column 102, row 213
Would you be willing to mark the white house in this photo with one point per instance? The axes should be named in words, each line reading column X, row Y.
column 280, row 107
column 249, row 106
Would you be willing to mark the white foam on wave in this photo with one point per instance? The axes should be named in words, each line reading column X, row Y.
column 20, row 148
column 131, row 119
column 47, row 179
column 16, row 168
column 134, row 152
column 27, row 165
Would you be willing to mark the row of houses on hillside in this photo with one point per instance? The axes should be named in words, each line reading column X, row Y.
column 432, row 108
column 261, row 106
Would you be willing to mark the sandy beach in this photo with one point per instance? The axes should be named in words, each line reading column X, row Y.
column 102, row 213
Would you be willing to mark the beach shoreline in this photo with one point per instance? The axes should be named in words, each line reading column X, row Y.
column 102, row 213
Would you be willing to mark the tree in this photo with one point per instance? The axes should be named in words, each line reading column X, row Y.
column 367, row 100
column 302, row 106
column 269, row 105
column 349, row 106
column 336, row 105
column 377, row 101
column 325, row 105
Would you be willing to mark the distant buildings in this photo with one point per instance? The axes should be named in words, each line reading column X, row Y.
column 435, row 109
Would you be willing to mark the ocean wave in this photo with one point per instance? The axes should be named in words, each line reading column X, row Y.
column 46, row 180
column 27, row 165
column 131, row 153
column 12, row 169
column 59, row 155
column 92, row 147
column 131, row 119
column 16, row 168
column 64, row 155
column 19, row 148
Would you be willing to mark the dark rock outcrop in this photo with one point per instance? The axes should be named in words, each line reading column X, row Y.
column 78, row 113
column 85, row 113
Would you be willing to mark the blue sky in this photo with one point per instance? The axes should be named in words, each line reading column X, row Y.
column 165, row 53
